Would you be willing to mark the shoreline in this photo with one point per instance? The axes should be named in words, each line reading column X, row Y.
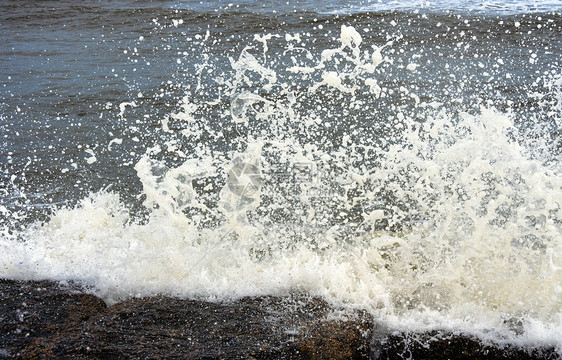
column 43, row 319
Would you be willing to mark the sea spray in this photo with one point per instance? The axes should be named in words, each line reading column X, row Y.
column 426, row 214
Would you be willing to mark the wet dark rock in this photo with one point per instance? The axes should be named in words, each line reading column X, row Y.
column 442, row 345
column 36, row 310
column 65, row 325
column 44, row 320
column 261, row 328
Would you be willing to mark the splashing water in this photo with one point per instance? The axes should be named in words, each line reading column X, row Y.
column 427, row 214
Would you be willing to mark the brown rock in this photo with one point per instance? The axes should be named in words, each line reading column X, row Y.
column 30, row 311
column 63, row 324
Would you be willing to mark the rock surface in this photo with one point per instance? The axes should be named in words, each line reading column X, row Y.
column 32, row 311
column 453, row 346
column 41, row 320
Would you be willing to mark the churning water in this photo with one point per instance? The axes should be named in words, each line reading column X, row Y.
column 400, row 157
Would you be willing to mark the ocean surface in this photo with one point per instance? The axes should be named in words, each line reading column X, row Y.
column 402, row 157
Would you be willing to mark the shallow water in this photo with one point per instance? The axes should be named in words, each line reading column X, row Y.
column 402, row 158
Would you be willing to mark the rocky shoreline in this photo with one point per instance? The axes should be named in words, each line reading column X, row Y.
column 45, row 320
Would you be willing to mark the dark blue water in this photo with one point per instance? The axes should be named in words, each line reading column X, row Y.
column 66, row 67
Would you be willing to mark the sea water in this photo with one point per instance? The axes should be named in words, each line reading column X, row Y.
column 399, row 157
